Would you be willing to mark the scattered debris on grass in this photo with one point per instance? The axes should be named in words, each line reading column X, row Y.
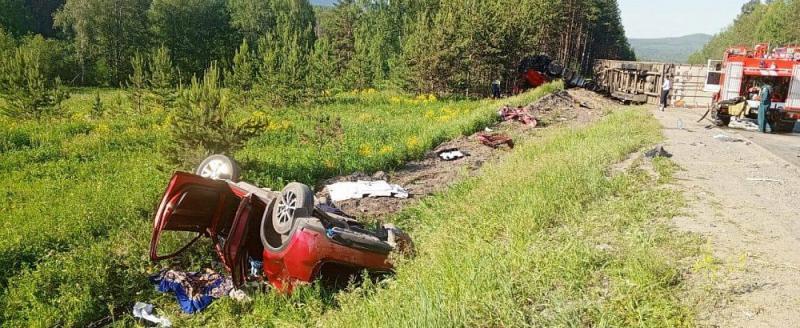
column 145, row 312
column 658, row 151
column 362, row 189
column 451, row 154
column 433, row 174
column 495, row 140
column 519, row 114
column 194, row 291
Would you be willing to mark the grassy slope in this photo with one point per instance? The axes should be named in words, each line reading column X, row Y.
column 543, row 238
column 79, row 216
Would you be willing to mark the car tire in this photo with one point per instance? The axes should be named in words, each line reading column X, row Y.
column 218, row 167
column 296, row 201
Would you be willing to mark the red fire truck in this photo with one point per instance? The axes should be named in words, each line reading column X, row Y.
column 743, row 71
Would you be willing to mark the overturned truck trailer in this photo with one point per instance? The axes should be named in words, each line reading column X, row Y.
column 641, row 82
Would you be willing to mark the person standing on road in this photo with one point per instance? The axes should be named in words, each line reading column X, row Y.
column 665, row 89
column 764, row 107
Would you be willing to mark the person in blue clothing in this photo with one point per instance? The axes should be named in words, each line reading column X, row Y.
column 763, row 109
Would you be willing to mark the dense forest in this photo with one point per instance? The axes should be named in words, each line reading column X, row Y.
column 774, row 21
column 288, row 51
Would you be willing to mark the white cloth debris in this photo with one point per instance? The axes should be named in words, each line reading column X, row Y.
column 356, row 190
column 744, row 124
column 145, row 311
column 451, row 155
column 726, row 138
column 239, row 295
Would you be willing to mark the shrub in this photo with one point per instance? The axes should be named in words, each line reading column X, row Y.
column 162, row 77
column 137, row 82
column 27, row 92
column 202, row 122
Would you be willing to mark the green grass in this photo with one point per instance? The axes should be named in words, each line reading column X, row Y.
column 80, row 191
column 542, row 238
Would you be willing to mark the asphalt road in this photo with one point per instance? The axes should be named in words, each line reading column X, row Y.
column 785, row 146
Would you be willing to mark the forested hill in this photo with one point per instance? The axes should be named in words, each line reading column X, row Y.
column 287, row 50
column 675, row 50
column 775, row 23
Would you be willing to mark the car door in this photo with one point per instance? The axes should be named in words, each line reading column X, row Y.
column 190, row 204
column 243, row 236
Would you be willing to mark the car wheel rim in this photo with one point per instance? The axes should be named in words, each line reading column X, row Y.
column 286, row 211
column 216, row 169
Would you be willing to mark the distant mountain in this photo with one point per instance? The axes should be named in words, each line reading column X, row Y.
column 675, row 50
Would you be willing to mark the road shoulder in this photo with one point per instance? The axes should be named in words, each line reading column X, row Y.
column 743, row 201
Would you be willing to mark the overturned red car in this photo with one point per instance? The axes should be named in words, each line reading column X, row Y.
column 285, row 235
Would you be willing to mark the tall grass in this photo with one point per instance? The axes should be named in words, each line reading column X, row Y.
column 81, row 190
column 544, row 238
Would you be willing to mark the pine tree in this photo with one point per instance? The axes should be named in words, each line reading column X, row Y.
column 25, row 89
column 321, row 78
column 137, row 82
column 202, row 123
column 162, row 76
column 241, row 77
column 97, row 107
column 252, row 18
column 285, row 51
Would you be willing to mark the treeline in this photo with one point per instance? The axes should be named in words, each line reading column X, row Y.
column 287, row 51
column 774, row 21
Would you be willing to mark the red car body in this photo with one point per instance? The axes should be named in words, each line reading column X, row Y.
column 236, row 217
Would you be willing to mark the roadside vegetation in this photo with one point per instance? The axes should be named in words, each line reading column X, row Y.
column 80, row 192
column 100, row 101
column 546, row 237
column 773, row 22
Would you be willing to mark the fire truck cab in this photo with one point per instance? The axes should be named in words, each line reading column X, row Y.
column 739, row 76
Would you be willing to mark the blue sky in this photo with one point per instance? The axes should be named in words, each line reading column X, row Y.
column 659, row 18
column 656, row 19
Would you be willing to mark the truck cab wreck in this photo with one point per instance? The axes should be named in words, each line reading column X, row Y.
column 293, row 239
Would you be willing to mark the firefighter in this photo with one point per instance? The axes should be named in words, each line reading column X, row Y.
column 764, row 108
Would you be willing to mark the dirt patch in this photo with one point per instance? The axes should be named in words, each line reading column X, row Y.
column 576, row 105
column 432, row 174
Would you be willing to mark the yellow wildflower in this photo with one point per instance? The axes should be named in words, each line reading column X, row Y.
column 413, row 142
column 102, row 128
column 386, row 150
column 366, row 150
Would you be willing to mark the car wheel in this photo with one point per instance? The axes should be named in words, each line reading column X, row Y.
column 218, row 167
column 296, row 201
